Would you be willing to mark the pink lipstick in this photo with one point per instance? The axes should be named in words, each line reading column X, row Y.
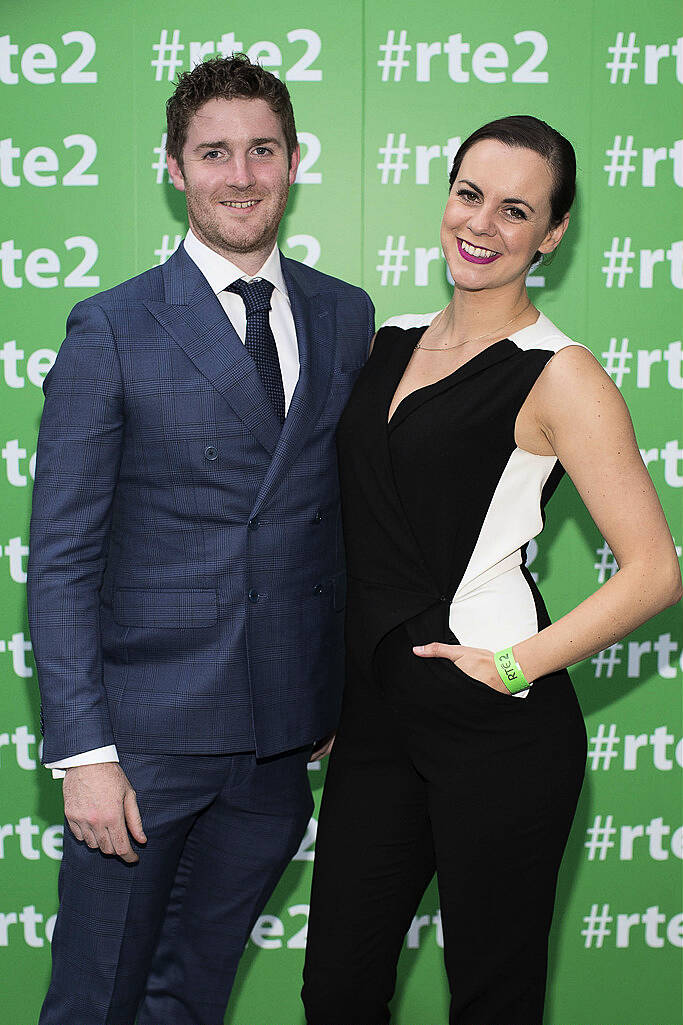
column 475, row 254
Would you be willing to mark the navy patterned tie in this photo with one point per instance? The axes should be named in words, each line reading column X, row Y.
column 259, row 341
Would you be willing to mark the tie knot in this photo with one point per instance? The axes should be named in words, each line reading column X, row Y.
column 256, row 294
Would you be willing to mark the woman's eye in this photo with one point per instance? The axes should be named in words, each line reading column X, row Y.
column 516, row 213
column 467, row 194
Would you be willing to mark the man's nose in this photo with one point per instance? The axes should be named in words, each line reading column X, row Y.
column 239, row 173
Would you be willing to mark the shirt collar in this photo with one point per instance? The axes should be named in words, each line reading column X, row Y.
column 220, row 272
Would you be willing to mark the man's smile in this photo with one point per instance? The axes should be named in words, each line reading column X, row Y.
column 235, row 204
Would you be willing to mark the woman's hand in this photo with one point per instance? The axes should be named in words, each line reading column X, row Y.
column 475, row 662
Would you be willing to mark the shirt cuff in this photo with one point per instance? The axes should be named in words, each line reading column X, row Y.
column 93, row 757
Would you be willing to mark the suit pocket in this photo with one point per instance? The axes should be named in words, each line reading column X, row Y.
column 170, row 608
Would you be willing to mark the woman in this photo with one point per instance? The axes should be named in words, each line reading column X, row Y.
column 461, row 747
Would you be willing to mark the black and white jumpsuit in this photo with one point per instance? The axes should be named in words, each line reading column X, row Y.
column 432, row 770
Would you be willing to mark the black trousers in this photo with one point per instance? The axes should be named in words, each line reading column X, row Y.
column 434, row 771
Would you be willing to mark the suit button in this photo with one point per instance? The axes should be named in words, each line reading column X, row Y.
column 443, row 598
column 318, row 589
column 254, row 523
column 211, row 452
column 318, row 518
column 253, row 596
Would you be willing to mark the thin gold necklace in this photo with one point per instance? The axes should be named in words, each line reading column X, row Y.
column 477, row 338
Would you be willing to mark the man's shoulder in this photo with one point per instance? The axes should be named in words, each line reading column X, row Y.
column 312, row 279
column 148, row 285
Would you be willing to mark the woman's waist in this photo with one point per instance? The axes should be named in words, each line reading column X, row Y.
column 374, row 608
column 423, row 584
column 385, row 590
column 502, row 607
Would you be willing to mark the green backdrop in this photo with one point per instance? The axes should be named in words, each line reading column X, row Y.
column 383, row 92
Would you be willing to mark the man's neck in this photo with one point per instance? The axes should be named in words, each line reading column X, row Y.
column 249, row 263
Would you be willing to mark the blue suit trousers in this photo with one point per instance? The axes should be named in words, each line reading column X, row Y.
column 158, row 942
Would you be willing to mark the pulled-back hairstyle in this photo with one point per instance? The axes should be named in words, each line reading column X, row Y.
column 225, row 78
column 525, row 132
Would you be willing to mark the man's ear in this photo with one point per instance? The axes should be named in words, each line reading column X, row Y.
column 293, row 165
column 554, row 236
column 175, row 172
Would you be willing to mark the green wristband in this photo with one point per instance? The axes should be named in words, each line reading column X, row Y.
column 509, row 671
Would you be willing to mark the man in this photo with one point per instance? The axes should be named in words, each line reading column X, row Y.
column 186, row 572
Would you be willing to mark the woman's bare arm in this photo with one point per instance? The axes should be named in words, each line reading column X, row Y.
column 581, row 412
column 578, row 414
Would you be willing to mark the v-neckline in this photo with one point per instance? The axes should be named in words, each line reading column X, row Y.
column 389, row 420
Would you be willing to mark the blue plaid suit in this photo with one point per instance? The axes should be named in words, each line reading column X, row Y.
column 186, row 576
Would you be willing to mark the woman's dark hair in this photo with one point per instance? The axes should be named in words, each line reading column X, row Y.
column 526, row 132
column 225, row 78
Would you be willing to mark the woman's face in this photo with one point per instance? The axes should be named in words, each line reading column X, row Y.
column 498, row 216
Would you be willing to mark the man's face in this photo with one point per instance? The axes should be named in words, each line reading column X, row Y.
column 236, row 178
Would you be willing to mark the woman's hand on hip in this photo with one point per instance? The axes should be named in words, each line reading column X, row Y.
column 475, row 662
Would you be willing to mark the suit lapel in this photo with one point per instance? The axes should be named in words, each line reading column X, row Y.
column 195, row 319
column 314, row 320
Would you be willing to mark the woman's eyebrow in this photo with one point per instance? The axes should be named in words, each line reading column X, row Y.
column 510, row 199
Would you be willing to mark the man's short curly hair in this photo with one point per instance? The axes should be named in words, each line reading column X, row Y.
column 226, row 78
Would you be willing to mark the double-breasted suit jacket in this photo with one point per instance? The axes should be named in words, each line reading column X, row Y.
column 186, row 575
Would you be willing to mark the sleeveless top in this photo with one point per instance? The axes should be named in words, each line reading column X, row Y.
column 440, row 504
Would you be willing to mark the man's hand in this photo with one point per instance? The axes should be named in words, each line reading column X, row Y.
column 101, row 809
column 323, row 747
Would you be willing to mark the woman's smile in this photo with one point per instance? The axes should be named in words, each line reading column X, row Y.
column 476, row 254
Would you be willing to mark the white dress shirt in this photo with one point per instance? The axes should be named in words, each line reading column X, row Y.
column 220, row 273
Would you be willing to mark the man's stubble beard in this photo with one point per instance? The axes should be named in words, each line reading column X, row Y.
column 209, row 228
